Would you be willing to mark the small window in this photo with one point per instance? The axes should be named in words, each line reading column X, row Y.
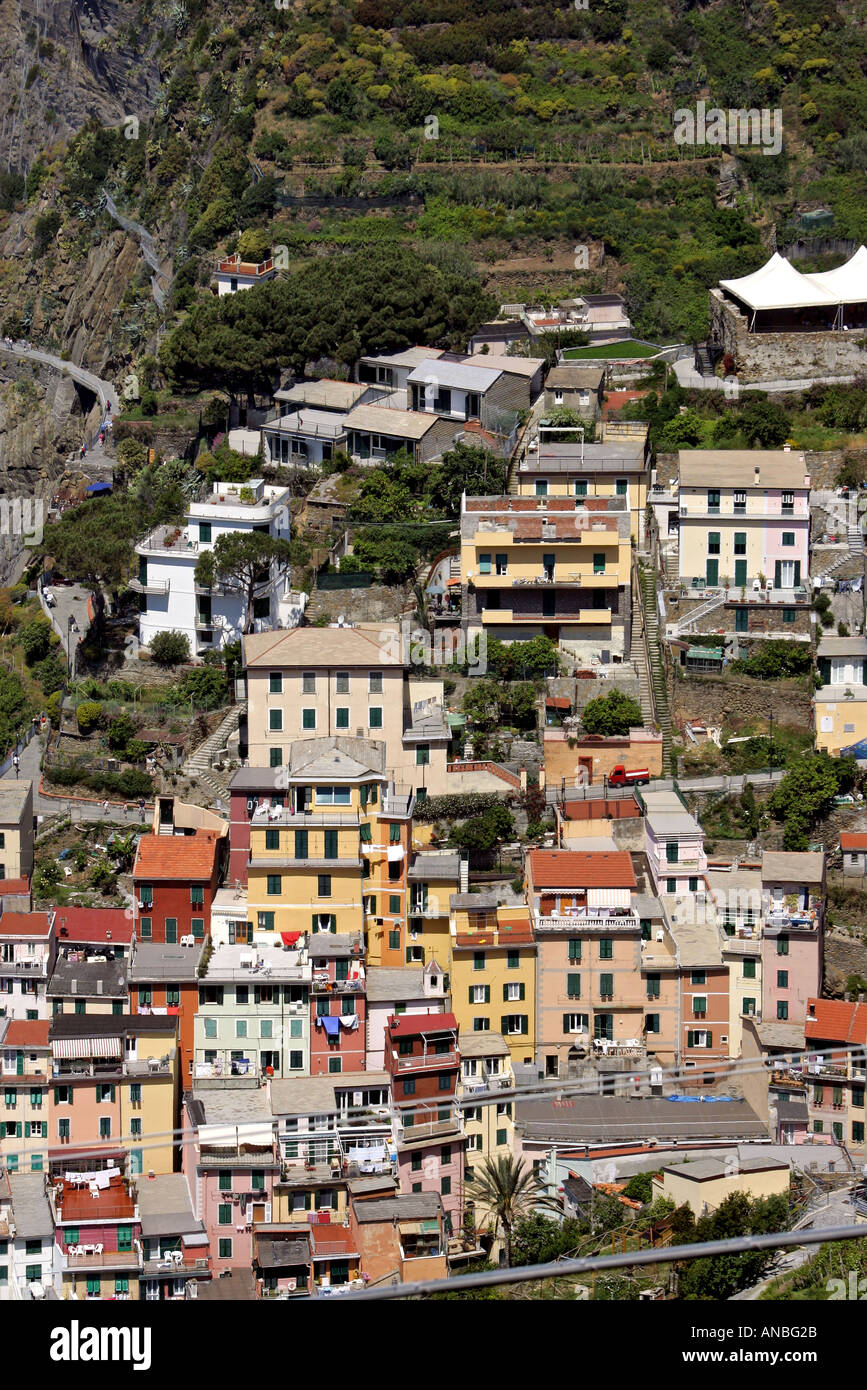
column 788, row 538
column 275, row 683
column 374, row 717
column 274, row 885
column 341, row 717
column 275, row 720
column 374, row 683
column 308, row 683
column 275, row 757
column 272, row 839
column 308, row 719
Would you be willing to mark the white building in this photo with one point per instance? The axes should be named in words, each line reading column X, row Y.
column 29, row 1267
column 304, row 437
column 233, row 274
column 171, row 601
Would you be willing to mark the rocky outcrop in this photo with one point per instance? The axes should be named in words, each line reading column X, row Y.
column 61, row 64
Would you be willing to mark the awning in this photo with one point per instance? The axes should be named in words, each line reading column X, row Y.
column 290, row 937
column 557, row 702
column 86, row 1047
column 395, row 853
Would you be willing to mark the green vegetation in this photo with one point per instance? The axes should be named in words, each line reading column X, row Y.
column 806, row 794
column 240, row 560
column 775, row 659
column 721, row 1276
column 612, row 714
column 482, row 833
column 171, row 648
column 824, row 1276
column 508, row 1190
column 611, row 351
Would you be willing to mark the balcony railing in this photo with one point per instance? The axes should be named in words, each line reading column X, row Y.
column 163, row 1265
column 428, row 1061
column 149, row 586
column 108, row 1259
column 561, row 922
column 338, row 986
column 430, row 1130
column 34, row 968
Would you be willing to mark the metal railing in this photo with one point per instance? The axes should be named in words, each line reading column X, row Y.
column 428, row 1061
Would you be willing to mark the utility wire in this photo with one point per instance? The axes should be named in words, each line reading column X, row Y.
column 181, row 1135
column 594, row 1264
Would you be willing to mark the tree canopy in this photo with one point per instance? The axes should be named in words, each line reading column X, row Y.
column 340, row 307
column 242, row 561
column 612, row 714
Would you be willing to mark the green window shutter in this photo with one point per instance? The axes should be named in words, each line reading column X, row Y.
column 671, row 851
column 574, row 951
column 525, row 1024
column 749, row 970
column 606, row 985
column 487, row 994
column 573, row 986
column 521, row 990
column 365, row 833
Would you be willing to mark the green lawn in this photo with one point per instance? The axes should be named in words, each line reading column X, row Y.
column 611, row 350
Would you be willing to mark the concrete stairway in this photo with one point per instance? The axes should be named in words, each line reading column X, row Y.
column 856, row 540
column 200, row 763
column 639, row 661
column 688, row 623
column 654, row 656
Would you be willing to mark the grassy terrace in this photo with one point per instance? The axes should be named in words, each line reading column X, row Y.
column 611, row 351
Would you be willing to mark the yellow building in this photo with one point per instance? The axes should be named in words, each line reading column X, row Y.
column 16, row 829
column 735, row 897
column 433, row 876
column 840, row 706
column 493, row 972
column 486, row 1065
column 345, row 681
column 557, row 567
column 617, row 466
column 333, row 858
column 149, row 1093
column 704, row 1183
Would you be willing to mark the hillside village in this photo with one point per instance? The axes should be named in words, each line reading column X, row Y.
column 442, row 766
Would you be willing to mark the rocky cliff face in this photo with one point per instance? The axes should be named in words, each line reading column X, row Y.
column 60, row 64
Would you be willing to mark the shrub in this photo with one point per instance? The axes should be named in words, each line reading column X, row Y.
column 456, row 805
column 50, row 673
column 612, row 714
column 170, row 648
column 89, row 715
column 53, row 707
column 34, row 639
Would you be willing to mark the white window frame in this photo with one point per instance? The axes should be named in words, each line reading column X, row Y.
column 513, row 992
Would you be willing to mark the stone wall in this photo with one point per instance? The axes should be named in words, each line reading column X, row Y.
column 718, row 700
column 784, row 356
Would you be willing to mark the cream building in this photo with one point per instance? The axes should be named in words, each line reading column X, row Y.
column 16, row 829
column 345, row 681
column 704, row 1183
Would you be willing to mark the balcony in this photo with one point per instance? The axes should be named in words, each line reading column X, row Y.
column 582, row 616
column 431, row 1129
column 168, row 540
column 806, row 919
column 149, row 586
column 18, row 969
column 428, row 1061
column 189, row 1268
column 76, row 1068
column 72, row 1262
column 324, row 986
column 604, row 925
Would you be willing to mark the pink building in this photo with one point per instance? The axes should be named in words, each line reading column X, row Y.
column 674, row 844
column 338, row 1007
column 230, row 1162
column 793, row 896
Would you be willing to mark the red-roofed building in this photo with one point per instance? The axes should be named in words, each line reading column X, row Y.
column 590, row 989
column 27, row 950
column 837, row 1073
column 174, row 881
column 423, row 1059
column 98, row 1236
column 854, row 849
column 25, row 1102
column 96, row 929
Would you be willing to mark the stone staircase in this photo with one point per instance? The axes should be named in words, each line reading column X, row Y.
column 637, row 657
column 688, row 623
column 199, row 764
column 703, row 362
column 662, row 715
column 671, row 566
column 856, row 540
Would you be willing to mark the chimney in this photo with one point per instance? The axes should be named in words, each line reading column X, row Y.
column 523, row 777
column 74, row 986
column 757, row 477
column 99, row 986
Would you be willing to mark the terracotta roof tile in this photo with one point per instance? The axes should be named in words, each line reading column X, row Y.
column 92, row 924
column 24, row 924
column 849, row 839
column 32, row 1032
column 560, row 868
column 176, row 856
column 836, row 1021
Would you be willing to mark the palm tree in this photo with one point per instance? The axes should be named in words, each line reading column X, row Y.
column 510, row 1191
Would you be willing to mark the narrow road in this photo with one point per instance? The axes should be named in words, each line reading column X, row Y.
column 30, row 759
column 104, row 390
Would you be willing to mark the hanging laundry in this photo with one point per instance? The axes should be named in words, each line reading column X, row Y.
column 331, row 1026
column 349, row 1021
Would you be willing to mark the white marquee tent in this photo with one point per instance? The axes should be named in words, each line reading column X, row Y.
column 778, row 285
